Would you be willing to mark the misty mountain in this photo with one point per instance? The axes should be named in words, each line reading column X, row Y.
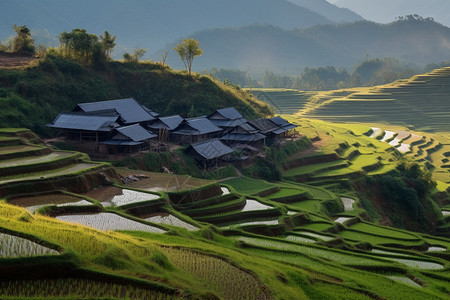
column 370, row 9
column 149, row 23
column 258, row 48
column 330, row 11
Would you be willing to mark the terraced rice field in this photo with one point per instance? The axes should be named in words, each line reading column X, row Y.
column 341, row 220
column 33, row 159
column 255, row 205
column 348, row 203
column 316, row 235
column 268, row 222
column 160, row 182
column 169, row 219
column 129, row 197
column 285, row 101
column 404, row 280
column 14, row 246
column 29, row 202
column 108, row 221
column 51, row 173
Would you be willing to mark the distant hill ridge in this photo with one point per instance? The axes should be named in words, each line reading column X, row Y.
column 152, row 24
column 257, row 48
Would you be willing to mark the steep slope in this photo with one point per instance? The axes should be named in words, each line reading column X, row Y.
column 332, row 12
column 34, row 96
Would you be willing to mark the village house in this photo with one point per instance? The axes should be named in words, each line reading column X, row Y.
column 124, row 127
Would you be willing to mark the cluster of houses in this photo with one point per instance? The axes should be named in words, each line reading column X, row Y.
column 124, row 126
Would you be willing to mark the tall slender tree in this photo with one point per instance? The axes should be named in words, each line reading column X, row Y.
column 188, row 50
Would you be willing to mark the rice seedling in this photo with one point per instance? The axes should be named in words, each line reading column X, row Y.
column 378, row 240
column 417, row 264
column 76, row 288
column 14, row 246
column 316, row 235
column 296, row 238
column 35, row 159
column 332, row 255
column 50, row 173
column 404, row 280
column 249, row 186
column 171, row 220
column 108, row 221
column 383, row 231
column 217, row 274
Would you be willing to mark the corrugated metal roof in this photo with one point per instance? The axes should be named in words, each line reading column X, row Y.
column 227, row 117
column 136, row 133
column 170, row 122
column 121, row 143
column 211, row 149
column 230, row 113
column 243, row 137
column 82, row 121
column 129, row 110
column 282, row 123
column 266, row 126
column 228, row 123
column 196, row 126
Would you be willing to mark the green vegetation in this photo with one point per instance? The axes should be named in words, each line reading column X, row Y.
column 282, row 241
column 34, row 96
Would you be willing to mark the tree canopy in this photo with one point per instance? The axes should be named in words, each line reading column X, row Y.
column 188, row 50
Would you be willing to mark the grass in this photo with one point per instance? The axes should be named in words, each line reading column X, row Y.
column 249, row 186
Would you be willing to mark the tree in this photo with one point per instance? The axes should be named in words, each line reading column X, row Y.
column 188, row 50
column 23, row 41
column 79, row 45
column 134, row 58
column 164, row 56
column 108, row 43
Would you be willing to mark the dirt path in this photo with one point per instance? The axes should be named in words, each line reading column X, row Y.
column 16, row 61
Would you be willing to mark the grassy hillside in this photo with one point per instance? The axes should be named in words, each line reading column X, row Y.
column 175, row 237
column 34, row 96
column 420, row 103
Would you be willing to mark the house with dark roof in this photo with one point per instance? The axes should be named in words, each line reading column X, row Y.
column 165, row 125
column 207, row 153
column 244, row 135
column 195, row 130
column 129, row 110
column 267, row 127
column 127, row 140
column 280, row 122
column 82, row 126
column 227, row 118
